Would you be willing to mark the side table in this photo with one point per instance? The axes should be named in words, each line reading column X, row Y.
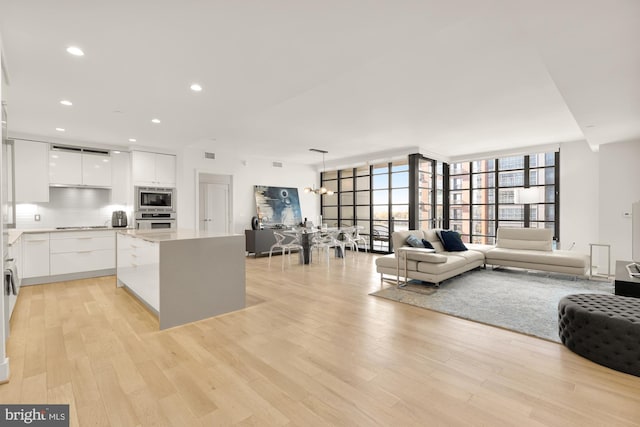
column 603, row 245
column 407, row 250
column 624, row 284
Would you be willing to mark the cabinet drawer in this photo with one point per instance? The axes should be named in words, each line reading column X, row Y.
column 82, row 234
column 81, row 244
column 36, row 237
column 76, row 262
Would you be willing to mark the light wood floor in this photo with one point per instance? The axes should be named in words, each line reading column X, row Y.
column 312, row 348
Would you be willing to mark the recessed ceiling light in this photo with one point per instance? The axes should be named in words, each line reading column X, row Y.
column 60, row 129
column 76, row 51
column 66, row 102
column 132, row 140
column 115, row 152
column 155, row 120
column 196, row 87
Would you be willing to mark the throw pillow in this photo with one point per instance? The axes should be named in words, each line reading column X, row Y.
column 414, row 242
column 427, row 244
column 451, row 241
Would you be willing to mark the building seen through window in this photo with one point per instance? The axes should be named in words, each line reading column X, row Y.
column 473, row 198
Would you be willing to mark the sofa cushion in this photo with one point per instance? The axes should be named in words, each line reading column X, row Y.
column 414, row 241
column 427, row 244
column 560, row 258
column 432, row 237
column 535, row 239
column 479, row 247
column 399, row 238
column 387, row 261
column 390, row 261
column 451, row 241
column 531, row 245
column 426, row 257
column 469, row 255
column 452, row 263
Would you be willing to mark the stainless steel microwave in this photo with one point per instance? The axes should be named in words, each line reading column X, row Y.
column 153, row 199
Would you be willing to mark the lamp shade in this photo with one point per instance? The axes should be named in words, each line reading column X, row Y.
column 529, row 195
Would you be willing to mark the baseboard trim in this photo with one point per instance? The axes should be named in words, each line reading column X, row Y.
column 64, row 277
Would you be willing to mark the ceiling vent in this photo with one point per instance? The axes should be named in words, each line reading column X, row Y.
column 211, row 156
column 277, row 164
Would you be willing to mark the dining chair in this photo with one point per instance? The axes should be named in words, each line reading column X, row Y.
column 337, row 242
column 294, row 243
column 322, row 241
column 353, row 238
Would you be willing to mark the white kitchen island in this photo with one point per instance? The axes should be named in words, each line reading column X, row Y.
column 182, row 275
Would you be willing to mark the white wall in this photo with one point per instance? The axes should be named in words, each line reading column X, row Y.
column 69, row 207
column 579, row 201
column 619, row 187
column 246, row 172
column 596, row 189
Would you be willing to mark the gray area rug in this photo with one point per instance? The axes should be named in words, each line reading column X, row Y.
column 525, row 302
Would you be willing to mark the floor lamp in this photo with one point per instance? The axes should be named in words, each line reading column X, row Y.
column 527, row 197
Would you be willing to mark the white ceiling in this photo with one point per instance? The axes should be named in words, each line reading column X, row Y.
column 450, row 77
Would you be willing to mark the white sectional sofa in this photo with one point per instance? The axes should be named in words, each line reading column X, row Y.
column 529, row 248
column 532, row 248
column 430, row 267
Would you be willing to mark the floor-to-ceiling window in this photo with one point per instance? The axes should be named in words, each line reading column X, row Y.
column 390, row 194
column 329, row 203
column 473, row 197
column 430, row 194
column 487, row 194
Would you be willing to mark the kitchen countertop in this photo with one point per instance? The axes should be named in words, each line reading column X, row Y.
column 173, row 234
column 14, row 234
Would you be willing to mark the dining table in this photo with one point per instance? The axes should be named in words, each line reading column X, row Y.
column 305, row 237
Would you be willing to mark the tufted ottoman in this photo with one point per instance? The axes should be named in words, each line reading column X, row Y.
column 603, row 328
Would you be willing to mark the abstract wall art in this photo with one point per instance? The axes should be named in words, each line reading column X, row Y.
column 277, row 205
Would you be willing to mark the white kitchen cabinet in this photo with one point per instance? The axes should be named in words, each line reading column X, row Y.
column 166, row 170
column 121, row 186
column 65, row 168
column 31, row 171
column 35, row 253
column 78, row 168
column 153, row 169
column 139, row 268
column 96, row 170
column 81, row 251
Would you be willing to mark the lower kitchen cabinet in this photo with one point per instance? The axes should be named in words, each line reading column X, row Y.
column 139, row 268
column 67, row 255
column 79, row 251
column 35, row 250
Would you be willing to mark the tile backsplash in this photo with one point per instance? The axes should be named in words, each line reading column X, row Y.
column 69, row 207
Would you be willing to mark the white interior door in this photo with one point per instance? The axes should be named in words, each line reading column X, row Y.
column 214, row 208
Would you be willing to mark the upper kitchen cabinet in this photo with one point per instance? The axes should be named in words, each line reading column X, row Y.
column 153, row 169
column 121, row 193
column 65, row 168
column 31, row 171
column 75, row 166
column 96, row 170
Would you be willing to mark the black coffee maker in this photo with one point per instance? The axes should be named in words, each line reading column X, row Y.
column 119, row 219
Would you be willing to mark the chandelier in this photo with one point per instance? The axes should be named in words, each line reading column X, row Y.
column 322, row 190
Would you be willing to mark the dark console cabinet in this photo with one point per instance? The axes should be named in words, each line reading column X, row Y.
column 259, row 242
column 626, row 285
